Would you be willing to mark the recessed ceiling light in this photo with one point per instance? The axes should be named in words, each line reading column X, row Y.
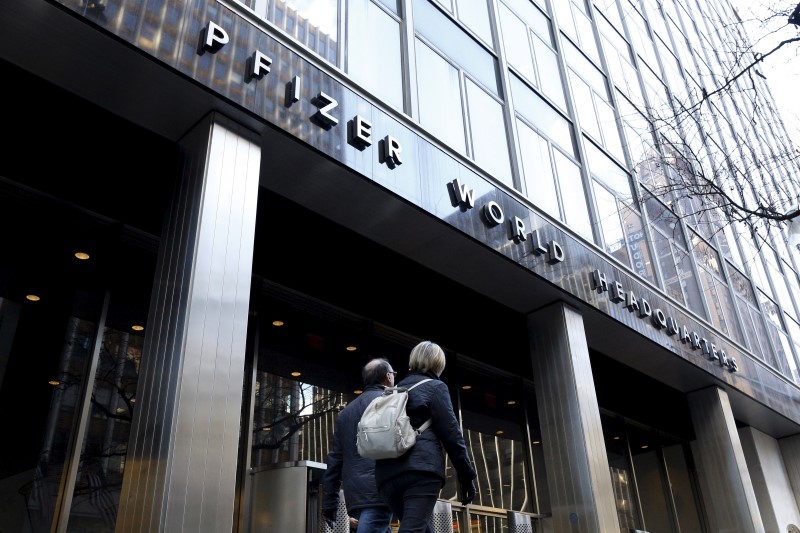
column 616, row 438
column 537, row 442
column 351, row 348
column 277, row 323
column 133, row 400
column 512, row 402
column 645, row 446
column 137, row 327
column 296, row 373
column 466, row 387
column 32, row 297
column 499, row 432
column 54, row 382
column 357, row 391
column 83, row 256
column 120, row 410
column 266, row 429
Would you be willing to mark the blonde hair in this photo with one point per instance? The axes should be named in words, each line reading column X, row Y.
column 427, row 356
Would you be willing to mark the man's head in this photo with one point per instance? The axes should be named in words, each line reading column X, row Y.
column 378, row 372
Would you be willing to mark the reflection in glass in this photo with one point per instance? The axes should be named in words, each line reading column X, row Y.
column 610, row 224
column 42, row 493
column 373, row 51
column 439, row 95
column 313, row 23
column 292, row 420
column 572, row 193
column 542, row 116
column 683, row 493
column 459, row 47
column 488, row 132
column 97, row 489
column 475, row 15
column 538, row 168
column 621, row 474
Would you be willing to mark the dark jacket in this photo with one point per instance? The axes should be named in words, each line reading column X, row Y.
column 430, row 400
column 345, row 467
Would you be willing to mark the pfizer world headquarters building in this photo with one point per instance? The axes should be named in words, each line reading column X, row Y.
column 215, row 212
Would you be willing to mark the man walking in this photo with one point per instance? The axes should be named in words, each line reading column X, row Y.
column 347, row 469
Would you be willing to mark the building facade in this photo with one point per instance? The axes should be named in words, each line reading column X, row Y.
column 217, row 211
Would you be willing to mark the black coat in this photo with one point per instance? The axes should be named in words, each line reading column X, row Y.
column 430, row 400
column 345, row 467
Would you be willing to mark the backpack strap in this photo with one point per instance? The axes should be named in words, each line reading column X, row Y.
column 429, row 421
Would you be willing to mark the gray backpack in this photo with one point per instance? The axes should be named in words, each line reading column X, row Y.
column 385, row 431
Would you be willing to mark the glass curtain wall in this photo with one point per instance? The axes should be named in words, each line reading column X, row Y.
column 73, row 303
column 653, row 479
column 608, row 66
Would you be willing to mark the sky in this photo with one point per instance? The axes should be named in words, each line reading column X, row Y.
column 783, row 68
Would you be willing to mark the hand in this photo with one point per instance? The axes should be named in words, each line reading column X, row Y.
column 329, row 517
column 467, row 492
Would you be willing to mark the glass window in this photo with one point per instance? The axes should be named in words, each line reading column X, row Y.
column 488, row 132
column 607, row 171
column 537, row 166
column 794, row 335
column 517, row 46
column 493, row 422
column 637, row 244
column 475, row 15
column 374, row 59
column 575, row 23
column 526, row 40
column 314, row 23
column 576, row 211
column 541, row 115
column 440, row 97
column 443, row 33
column 610, row 223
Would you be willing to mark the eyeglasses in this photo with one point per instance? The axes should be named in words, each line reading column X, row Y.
column 392, row 372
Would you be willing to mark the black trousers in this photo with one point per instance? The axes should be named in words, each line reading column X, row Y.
column 411, row 496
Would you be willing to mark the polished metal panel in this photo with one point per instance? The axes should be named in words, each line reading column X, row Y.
column 790, row 450
column 280, row 500
column 776, row 500
column 581, row 493
column 181, row 466
column 727, row 489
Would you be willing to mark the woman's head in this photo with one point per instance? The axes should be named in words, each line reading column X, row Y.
column 427, row 356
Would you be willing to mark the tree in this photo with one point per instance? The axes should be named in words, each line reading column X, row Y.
column 708, row 159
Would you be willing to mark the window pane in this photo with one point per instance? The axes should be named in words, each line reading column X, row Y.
column 610, row 225
column 515, row 41
column 576, row 212
column 314, row 23
column 689, row 283
column 607, row 171
column 475, row 15
column 487, row 127
column 373, row 51
column 459, row 46
column 440, row 97
column 637, row 244
column 546, row 61
column 538, row 169
column 539, row 113
column 584, row 103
